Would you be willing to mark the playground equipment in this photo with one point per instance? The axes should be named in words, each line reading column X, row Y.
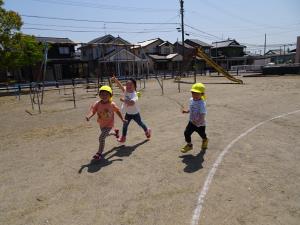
column 217, row 67
column 34, row 93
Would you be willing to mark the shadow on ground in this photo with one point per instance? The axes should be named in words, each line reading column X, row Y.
column 193, row 163
column 121, row 151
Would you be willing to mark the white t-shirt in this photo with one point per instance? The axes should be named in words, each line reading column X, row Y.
column 130, row 109
column 197, row 109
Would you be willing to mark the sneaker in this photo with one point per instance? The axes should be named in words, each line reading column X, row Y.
column 186, row 148
column 122, row 139
column 97, row 156
column 117, row 133
column 148, row 133
column 204, row 144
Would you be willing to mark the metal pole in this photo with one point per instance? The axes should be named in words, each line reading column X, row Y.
column 265, row 44
column 73, row 90
column 182, row 34
column 30, row 94
column 44, row 71
column 37, row 89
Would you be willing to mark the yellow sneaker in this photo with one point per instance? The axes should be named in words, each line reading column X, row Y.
column 204, row 144
column 186, row 148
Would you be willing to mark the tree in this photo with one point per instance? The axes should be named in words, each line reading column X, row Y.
column 16, row 49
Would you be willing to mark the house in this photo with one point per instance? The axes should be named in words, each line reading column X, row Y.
column 189, row 54
column 61, row 60
column 159, row 54
column 228, row 48
column 108, row 54
column 199, row 44
column 279, row 56
column 165, row 59
column 199, row 63
column 228, row 53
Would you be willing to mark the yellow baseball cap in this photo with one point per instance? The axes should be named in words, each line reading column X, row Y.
column 198, row 88
column 106, row 88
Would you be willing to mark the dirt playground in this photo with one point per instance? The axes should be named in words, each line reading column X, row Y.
column 47, row 176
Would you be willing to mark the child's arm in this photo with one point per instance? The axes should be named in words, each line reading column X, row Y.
column 91, row 113
column 132, row 101
column 118, row 83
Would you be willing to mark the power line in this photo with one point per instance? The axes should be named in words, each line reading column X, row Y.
column 85, row 27
column 214, row 36
column 96, row 21
column 103, row 6
column 97, row 31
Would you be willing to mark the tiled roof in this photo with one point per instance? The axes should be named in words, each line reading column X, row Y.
column 274, row 52
column 54, row 40
column 227, row 43
column 163, row 57
column 164, row 43
column 185, row 45
column 198, row 42
column 104, row 39
column 148, row 42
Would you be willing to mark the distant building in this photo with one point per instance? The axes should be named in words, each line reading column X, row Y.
column 108, row 54
column 228, row 53
column 279, row 56
column 199, row 44
column 159, row 54
column 199, row 65
column 228, row 48
column 61, row 61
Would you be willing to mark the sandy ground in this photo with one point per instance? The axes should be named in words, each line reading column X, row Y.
column 47, row 176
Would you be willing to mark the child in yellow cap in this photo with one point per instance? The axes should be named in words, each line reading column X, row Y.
column 105, row 109
column 197, row 111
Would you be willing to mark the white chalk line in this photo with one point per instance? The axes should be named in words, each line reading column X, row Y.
column 209, row 178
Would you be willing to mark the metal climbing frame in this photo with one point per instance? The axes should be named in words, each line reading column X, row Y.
column 217, row 67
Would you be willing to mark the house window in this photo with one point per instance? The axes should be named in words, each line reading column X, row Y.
column 166, row 51
column 64, row 51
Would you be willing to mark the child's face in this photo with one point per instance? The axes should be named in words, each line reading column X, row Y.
column 196, row 96
column 104, row 96
column 130, row 86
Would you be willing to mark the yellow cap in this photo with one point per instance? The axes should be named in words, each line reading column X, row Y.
column 106, row 88
column 198, row 88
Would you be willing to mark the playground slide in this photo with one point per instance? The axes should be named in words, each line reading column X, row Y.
column 217, row 67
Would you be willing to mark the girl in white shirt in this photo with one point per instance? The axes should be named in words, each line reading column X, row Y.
column 130, row 107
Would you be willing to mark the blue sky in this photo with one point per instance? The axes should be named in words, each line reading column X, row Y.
column 206, row 20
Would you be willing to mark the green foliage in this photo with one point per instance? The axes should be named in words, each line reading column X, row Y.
column 16, row 50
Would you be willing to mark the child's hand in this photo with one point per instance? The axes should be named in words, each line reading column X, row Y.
column 129, row 102
column 124, row 121
column 184, row 110
column 122, row 99
column 113, row 77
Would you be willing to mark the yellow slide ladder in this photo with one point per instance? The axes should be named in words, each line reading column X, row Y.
column 217, row 67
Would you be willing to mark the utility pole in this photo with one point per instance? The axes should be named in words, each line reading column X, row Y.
column 182, row 34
